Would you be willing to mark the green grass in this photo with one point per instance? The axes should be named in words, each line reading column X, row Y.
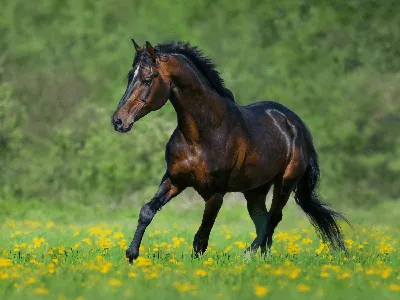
column 72, row 251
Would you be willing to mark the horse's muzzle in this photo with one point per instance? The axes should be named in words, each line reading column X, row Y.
column 119, row 125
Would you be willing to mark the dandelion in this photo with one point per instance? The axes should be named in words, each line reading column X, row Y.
column 152, row 275
column 324, row 274
column 184, row 287
column 118, row 235
column 306, row 241
column 240, row 244
column 5, row 262
column 114, row 282
column 132, row 274
column 208, row 262
column 260, row 290
column 143, row 262
column 37, row 242
column 41, row 291
column 200, row 272
column 303, row 288
column 394, row 287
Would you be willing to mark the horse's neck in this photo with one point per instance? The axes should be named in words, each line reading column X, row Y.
column 199, row 111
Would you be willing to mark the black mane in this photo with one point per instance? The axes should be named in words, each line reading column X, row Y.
column 204, row 64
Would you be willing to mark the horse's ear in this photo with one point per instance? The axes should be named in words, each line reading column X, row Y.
column 150, row 51
column 137, row 47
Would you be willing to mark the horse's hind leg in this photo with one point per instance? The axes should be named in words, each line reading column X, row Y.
column 259, row 214
column 283, row 187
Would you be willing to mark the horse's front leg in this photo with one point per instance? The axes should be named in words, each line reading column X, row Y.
column 211, row 210
column 165, row 192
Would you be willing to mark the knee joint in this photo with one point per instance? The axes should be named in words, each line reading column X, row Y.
column 146, row 215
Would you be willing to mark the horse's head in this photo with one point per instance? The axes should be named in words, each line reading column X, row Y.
column 148, row 89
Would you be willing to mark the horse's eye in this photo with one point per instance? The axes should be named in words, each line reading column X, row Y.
column 147, row 80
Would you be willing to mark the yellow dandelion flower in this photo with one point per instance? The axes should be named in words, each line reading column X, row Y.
column 143, row 262
column 260, row 290
column 303, row 288
column 394, row 287
column 114, row 282
column 5, row 262
column 324, row 274
column 344, row 275
column 306, row 241
column 240, row 244
column 184, row 287
column 41, row 291
column 31, row 280
column 132, row 274
column 200, row 272
column 152, row 275
column 118, row 235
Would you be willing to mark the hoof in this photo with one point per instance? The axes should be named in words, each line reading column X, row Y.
column 132, row 254
column 199, row 247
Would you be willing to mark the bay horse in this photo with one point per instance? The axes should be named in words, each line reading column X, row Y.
column 219, row 146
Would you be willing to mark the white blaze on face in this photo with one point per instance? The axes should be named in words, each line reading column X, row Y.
column 135, row 75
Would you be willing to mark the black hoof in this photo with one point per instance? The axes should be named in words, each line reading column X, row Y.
column 199, row 246
column 132, row 254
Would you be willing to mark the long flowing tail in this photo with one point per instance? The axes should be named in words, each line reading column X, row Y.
column 321, row 215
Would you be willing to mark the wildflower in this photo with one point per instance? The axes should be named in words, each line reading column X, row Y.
column 240, row 244
column 143, row 262
column 37, row 242
column 260, row 290
column 306, row 241
column 324, row 274
column 184, row 287
column 208, row 262
column 132, row 274
column 394, row 287
column 152, row 275
column 41, row 291
column 122, row 244
column 303, row 288
column 200, row 272
column 344, row 275
column 118, row 235
column 5, row 262
column 114, row 282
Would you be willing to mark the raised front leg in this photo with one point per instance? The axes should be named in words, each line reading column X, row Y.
column 211, row 210
column 165, row 192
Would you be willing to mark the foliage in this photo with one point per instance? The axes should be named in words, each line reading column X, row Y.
column 64, row 63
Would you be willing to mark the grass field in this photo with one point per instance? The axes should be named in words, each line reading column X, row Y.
column 78, row 253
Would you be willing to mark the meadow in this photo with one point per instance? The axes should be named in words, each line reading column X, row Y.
column 71, row 188
column 73, row 253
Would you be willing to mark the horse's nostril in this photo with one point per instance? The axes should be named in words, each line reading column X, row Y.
column 117, row 122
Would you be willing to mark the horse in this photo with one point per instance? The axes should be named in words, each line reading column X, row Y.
column 219, row 146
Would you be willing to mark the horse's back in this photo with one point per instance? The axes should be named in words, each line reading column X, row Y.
column 261, row 107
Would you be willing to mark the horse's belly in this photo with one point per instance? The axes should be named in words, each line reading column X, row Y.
column 255, row 170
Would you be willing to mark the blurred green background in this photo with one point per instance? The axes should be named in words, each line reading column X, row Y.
column 63, row 67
